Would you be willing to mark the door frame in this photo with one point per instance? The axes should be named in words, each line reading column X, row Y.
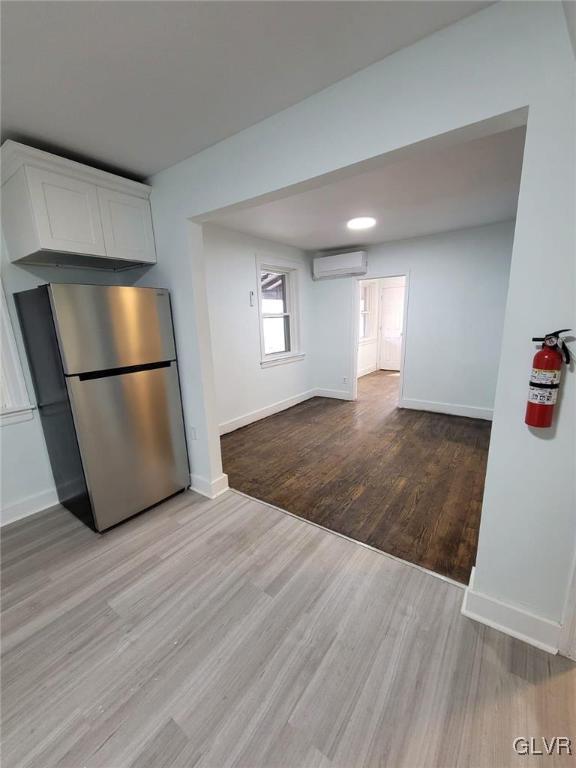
column 355, row 330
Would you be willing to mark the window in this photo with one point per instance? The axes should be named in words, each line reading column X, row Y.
column 278, row 309
column 368, row 310
column 275, row 314
column 15, row 404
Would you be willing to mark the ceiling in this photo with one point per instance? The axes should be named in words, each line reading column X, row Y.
column 434, row 190
column 139, row 86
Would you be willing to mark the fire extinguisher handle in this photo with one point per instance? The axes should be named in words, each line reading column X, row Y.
column 560, row 343
column 549, row 335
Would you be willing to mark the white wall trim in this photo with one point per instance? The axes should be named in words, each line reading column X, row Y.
column 453, row 409
column 38, row 502
column 280, row 405
column 567, row 645
column 338, row 394
column 209, row 488
column 270, row 362
column 47, row 500
column 16, row 415
column 294, row 271
column 367, row 370
column 15, row 154
column 262, row 413
column 512, row 620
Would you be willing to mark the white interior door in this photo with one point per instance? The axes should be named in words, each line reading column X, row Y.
column 391, row 322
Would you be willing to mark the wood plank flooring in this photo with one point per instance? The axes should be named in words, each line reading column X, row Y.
column 226, row 633
column 407, row 482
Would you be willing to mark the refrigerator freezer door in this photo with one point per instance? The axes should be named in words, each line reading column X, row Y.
column 104, row 327
column 131, row 435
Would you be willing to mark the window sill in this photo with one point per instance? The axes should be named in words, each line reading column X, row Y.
column 15, row 415
column 282, row 359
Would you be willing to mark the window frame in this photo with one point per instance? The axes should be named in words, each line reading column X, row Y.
column 18, row 406
column 292, row 271
column 372, row 312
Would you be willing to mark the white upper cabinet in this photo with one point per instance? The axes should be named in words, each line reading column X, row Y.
column 66, row 211
column 56, row 211
column 127, row 224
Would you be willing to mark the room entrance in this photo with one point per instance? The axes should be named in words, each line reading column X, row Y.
column 372, row 416
column 381, row 326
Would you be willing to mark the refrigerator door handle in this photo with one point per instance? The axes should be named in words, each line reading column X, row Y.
column 121, row 371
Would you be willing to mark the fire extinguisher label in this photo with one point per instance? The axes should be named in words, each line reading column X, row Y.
column 540, row 376
column 542, row 396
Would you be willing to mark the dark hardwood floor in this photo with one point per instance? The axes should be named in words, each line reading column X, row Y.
column 407, row 482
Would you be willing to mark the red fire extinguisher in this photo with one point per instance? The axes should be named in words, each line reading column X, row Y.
column 545, row 378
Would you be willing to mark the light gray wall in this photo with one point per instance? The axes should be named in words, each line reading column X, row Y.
column 508, row 56
column 570, row 13
column 242, row 385
column 458, row 283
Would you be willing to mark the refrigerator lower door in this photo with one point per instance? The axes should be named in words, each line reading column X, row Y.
column 131, row 435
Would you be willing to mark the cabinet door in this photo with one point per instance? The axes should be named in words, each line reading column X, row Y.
column 127, row 224
column 66, row 212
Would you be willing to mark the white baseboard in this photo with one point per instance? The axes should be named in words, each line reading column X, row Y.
column 510, row 619
column 338, row 394
column 38, row 502
column 209, row 488
column 280, row 405
column 47, row 500
column 452, row 409
column 262, row 413
column 366, row 371
column 567, row 645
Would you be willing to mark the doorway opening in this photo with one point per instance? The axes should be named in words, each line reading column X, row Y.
column 372, row 424
column 381, row 334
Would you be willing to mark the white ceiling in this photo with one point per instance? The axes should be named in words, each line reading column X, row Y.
column 434, row 190
column 139, row 86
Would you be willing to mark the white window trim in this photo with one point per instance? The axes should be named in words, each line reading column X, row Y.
column 293, row 270
column 18, row 407
column 374, row 311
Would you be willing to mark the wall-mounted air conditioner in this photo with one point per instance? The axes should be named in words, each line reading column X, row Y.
column 340, row 265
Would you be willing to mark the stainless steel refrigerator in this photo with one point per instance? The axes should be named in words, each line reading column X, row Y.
column 103, row 363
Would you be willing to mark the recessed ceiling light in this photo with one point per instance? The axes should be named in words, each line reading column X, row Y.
column 361, row 222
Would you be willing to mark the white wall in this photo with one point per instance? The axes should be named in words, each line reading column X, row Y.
column 458, row 283
column 245, row 390
column 367, row 356
column 181, row 269
column 510, row 55
column 27, row 482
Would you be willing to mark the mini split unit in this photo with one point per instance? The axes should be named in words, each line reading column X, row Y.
column 340, row 265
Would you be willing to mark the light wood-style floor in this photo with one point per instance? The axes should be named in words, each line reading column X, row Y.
column 227, row 633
